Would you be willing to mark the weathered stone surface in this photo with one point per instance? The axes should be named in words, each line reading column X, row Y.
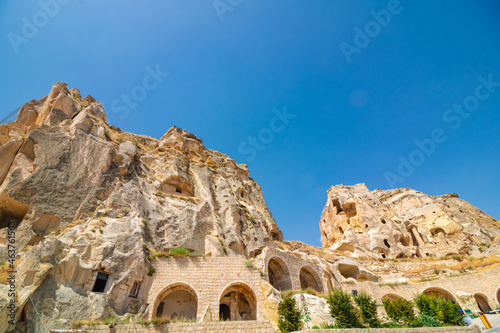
column 7, row 152
column 88, row 197
column 317, row 307
column 88, row 200
column 403, row 223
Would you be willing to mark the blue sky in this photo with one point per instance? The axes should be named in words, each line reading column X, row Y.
column 357, row 100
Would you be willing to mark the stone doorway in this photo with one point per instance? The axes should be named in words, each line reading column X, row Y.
column 177, row 301
column 238, row 302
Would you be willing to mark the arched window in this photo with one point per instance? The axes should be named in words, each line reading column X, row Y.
column 439, row 292
column 482, row 302
column 279, row 274
column 310, row 279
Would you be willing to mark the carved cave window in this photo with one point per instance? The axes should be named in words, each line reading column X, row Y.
column 100, row 282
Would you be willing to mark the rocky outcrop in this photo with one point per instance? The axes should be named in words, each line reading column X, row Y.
column 88, row 197
column 317, row 308
column 403, row 223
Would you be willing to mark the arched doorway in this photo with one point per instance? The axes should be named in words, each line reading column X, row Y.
column 238, row 302
column 392, row 296
column 498, row 295
column 482, row 302
column 279, row 274
column 177, row 301
column 310, row 279
column 439, row 292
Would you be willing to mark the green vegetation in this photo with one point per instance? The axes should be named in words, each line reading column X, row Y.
column 368, row 308
column 175, row 252
column 342, row 310
column 399, row 310
column 439, row 308
column 179, row 251
column 152, row 270
column 427, row 279
column 289, row 316
column 308, row 290
column 425, row 321
column 250, row 264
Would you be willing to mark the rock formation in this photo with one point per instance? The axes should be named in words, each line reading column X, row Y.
column 96, row 212
column 86, row 196
column 403, row 223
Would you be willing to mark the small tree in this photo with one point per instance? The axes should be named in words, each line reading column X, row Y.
column 449, row 312
column 289, row 316
column 427, row 305
column 342, row 310
column 440, row 308
column 368, row 309
column 399, row 310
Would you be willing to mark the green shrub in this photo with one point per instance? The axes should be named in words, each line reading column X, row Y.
column 368, row 308
column 152, row 270
column 342, row 310
column 179, row 251
column 289, row 316
column 439, row 308
column 425, row 321
column 326, row 326
column 399, row 310
column 427, row 305
column 449, row 312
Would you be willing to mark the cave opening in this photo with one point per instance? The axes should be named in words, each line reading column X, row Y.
column 337, row 205
column 100, row 282
column 387, row 243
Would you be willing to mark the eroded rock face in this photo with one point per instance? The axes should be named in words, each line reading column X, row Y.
column 86, row 196
column 404, row 223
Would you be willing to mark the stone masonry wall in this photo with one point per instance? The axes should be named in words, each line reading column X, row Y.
column 446, row 329
column 294, row 265
column 213, row 327
column 486, row 283
column 208, row 277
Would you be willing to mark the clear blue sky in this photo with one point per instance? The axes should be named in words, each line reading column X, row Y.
column 360, row 101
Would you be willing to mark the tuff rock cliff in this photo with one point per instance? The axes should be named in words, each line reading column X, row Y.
column 84, row 195
column 403, row 223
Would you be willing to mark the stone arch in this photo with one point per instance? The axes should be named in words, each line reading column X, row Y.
column 175, row 301
column 237, row 302
column 309, row 278
column 482, row 302
column 439, row 292
column 278, row 274
column 392, row 296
